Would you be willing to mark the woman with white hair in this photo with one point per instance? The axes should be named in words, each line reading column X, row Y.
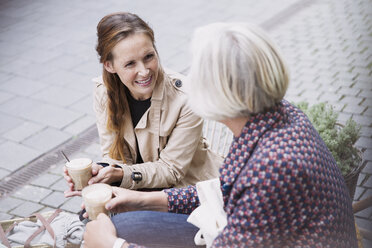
column 280, row 185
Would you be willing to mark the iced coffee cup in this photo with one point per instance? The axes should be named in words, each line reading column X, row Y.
column 80, row 171
column 95, row 197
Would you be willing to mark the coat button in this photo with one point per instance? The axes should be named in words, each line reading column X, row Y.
column 178, row 83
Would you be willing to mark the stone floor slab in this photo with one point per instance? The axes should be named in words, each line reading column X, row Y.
column 32, row 193
column 55, row 200
column 45, row 180
column 9, row 122
column 26, row 209
column 23, row 131
column 14, row 156
column 73, row 205
column 46, row 139
column 80, row 125
column 9, row 203
column 59, row 96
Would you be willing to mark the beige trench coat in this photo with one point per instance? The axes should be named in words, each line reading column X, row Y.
column 169, row 138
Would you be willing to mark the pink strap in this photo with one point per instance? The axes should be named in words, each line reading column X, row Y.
column 46, row 225
column 3, row 238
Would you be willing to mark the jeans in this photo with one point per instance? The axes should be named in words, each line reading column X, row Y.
column 155, row 229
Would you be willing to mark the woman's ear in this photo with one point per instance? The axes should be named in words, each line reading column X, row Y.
column 108, row 66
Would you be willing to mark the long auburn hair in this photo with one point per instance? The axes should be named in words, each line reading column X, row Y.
column 112, row 29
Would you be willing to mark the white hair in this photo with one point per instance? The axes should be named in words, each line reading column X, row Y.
column 236, row 71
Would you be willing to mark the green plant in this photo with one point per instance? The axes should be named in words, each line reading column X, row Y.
column 340, row 139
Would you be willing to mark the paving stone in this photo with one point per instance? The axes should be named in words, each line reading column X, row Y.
column 84, row 106
column 368, row 183
column 366, row 93
column 19, row 106
column 368, row 168
column 56, row 169
column 367, row 103
column 9, row 122
column 73, row 205
column 23, row 131
column 364, row 142
column 26, row 209
column 22, row 86
column 55, row 199
column 351, row 99
column 47, row 209
column 366, row 213
column 47, row 43
column 45, row 180
column 80, row 125
column 5, row 96
column 4, row 216
column 60, row 96
column 338, row 107
column 343, row 117
column 68, row 79
column 363, row 120
column 66, row 61
column 14, row 66
column 363, row 223
column 39, row 112
column 60, row 185
column 40, row 55
column 366, row 242
column 89, row 68
column 364, row 85
column 366, row 132
column 368, row 111
column 359, row 191
column 94, row 149
column 4, row 76
column 32, row 193
column 4, row 173
column 343, row 83
column 348, row 91
column 9, row 203
column 46, row 139
column 14, row 156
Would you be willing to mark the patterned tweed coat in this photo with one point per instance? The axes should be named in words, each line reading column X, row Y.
column 281, row 187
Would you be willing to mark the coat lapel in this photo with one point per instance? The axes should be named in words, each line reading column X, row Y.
column 152, row 115
column 129, row 135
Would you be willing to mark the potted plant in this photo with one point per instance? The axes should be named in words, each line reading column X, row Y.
column 340, row 140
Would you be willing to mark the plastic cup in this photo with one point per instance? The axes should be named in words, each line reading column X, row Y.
column 80, row 171
column 95, row 197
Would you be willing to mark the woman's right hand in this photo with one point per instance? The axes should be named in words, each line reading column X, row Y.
column 71, row 191
column 126, row 200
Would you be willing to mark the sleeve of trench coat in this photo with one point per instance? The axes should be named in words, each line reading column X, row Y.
column 174, row 160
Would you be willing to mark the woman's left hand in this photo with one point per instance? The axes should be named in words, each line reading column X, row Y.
column 108, row 174
column 100, row 233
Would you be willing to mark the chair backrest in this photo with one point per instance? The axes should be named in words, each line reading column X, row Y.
column 218, row 136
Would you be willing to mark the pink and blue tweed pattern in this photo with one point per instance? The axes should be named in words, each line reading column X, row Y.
column 281, row 187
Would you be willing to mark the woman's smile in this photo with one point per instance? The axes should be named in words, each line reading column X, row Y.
column 144, row 83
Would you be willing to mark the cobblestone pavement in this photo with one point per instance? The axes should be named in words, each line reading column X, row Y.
column 47, row 59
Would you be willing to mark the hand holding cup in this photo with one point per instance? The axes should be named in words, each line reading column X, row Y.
column 80, row 171
column 95, row 197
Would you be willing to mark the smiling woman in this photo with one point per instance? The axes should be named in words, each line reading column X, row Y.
column 147, row 133
column 136, row 63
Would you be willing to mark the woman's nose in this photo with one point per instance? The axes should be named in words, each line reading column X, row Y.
column 143, row 71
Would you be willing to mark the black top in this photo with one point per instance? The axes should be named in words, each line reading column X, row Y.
column 137, row 109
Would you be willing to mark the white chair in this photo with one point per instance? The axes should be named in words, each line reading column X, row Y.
column 219, row 137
